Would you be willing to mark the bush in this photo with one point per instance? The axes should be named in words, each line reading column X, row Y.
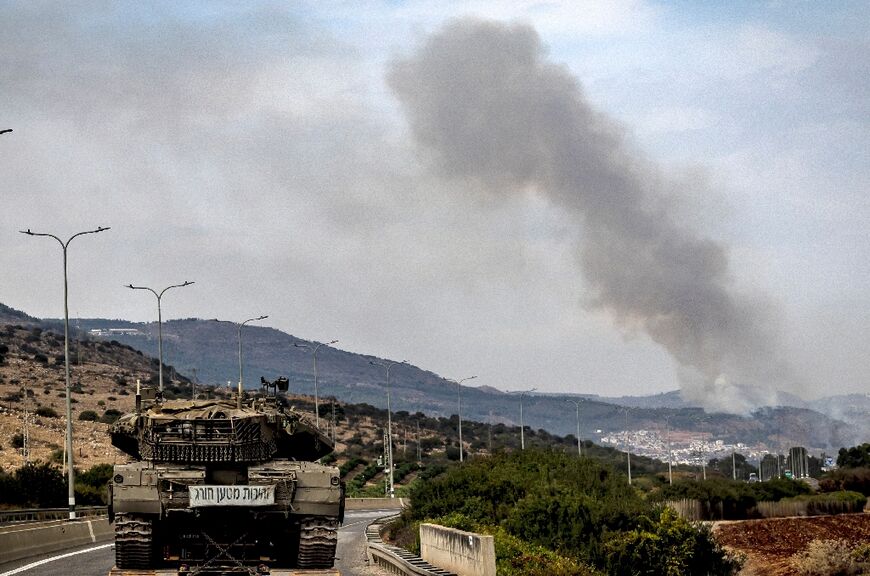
column 110, row 416
column 855, row 479
column 89, row 415
column 47, row 412
column 18, row 441
column 668, row 546
column 827, row 558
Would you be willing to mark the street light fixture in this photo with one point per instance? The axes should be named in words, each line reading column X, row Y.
column 576, row 404
column 314, row 354
column 459, row 386
column 389, row 365
column 522, row 426
column 6, row 130
column 69, row 451
column 627, row 445
column 159, row 295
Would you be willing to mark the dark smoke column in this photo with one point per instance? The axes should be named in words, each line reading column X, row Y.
column 485, row 106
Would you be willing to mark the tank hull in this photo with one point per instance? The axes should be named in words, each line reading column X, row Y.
column 220, row 489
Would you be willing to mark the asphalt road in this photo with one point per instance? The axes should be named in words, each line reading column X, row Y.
column 97, row 560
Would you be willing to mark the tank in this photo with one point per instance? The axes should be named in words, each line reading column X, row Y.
column 221, row 486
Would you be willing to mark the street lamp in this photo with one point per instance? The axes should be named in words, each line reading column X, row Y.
column 314, row 354
column 522, row 432
column 627, row 446
column 241, row 380
column 459, row 386
column 389, row 365
column 6, row 130
column 576, row 404
column 159, row 295
column 69, row 451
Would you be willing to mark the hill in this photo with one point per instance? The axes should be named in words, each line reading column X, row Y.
column 206, row 352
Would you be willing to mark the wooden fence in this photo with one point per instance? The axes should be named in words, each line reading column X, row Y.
column 697, row 510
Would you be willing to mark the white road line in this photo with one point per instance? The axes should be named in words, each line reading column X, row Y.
column 53, row 558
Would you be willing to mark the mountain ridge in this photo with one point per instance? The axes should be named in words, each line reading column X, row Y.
column 207, row 351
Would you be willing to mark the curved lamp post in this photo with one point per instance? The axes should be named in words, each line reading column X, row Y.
column 459, row 387
column 389, row 365
column 159, row 295
column 314, row 354
column 522, row 426
column 241, row 379
column 6, row 130
column 576, row 404
column 69, row 451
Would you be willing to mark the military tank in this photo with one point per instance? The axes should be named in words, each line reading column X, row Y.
column 222, row 486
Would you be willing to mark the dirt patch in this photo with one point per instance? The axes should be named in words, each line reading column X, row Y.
column 769, row 543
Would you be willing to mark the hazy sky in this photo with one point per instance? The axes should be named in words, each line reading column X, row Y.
column 597, row 197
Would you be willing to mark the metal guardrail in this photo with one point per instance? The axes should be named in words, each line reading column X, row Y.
column 44, row 514
column 397, row 560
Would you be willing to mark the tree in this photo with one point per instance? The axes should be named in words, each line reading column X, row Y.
column 854, row 457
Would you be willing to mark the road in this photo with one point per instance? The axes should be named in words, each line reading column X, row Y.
column 97, row 560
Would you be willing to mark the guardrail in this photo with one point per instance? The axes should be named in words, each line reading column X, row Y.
column 393, row 559
column 43, row 514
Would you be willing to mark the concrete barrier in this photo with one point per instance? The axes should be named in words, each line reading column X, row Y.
column 24, row 541
column 465, row 553
column 374, row 503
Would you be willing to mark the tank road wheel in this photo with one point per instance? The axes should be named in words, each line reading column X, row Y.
column 318, row 536
column 134, row 541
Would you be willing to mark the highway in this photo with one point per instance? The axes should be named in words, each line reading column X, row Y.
column 97, row 560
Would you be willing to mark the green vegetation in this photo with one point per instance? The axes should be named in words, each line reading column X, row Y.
column 42, row 485
column 580, row 512
column 854, row 457
column 89, row 415
column 47, row 412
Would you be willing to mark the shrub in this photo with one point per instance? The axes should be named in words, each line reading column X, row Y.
column 668, row 546
column 89, row 415
column 110, row 416
column 47, row 412
column 826, row 558
column 855, row 479
column 18, row 441
column 41, row 485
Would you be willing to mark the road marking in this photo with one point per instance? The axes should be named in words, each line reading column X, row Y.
column 53, row 558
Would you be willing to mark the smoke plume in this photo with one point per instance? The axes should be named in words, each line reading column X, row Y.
column 486, row 106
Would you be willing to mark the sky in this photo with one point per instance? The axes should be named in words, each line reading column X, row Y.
column 611, row 198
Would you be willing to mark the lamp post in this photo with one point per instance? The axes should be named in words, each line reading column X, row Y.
column 627, row 446
column 389, row 365
column 576, row 404
column 241, row 379
column 69, row 452
column 314, row 354
column 159, row 295
column 459, row 387
column 522, row 426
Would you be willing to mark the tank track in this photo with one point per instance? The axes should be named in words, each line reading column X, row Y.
column 134, row 542
column 318, row 537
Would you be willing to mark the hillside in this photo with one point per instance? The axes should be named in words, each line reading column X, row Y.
column 206, row 352
column 104, row 374
column 209, row 349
